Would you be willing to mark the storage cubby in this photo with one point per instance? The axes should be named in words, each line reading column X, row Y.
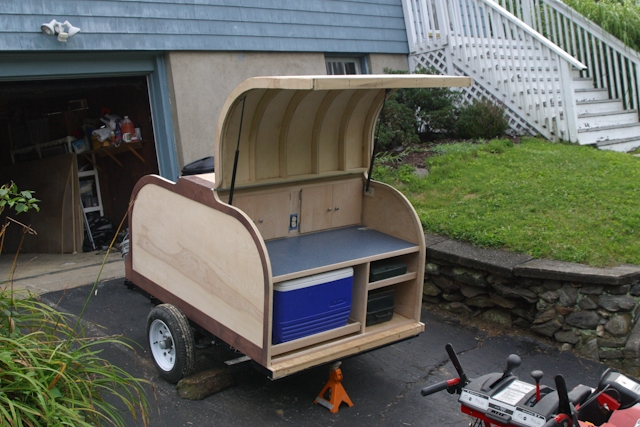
column 362, row 249
column 410, row 274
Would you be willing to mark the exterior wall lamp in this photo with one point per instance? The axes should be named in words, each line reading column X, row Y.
column 64, row 30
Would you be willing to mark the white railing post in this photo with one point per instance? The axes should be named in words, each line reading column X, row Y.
column 410, row 24
column 568, row 102
column 443, row 21
column 526, row 13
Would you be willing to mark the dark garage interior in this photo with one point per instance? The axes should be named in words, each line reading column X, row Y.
column 47, row 144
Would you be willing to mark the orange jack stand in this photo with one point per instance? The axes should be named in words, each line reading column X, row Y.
column 338, row 393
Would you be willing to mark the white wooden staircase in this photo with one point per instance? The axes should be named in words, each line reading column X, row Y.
column 571, row 81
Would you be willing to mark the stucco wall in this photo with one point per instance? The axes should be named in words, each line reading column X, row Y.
column 394, row 62
column 199, row 83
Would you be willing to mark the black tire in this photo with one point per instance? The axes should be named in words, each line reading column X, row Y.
column 171, row 342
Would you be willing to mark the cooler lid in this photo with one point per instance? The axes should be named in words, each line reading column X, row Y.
column 305, row 127
column 316, row 279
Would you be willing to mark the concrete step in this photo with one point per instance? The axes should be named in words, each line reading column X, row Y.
column 598, row 134
column 592, row 94
column 602, row 106
column 586, row 121
column 623, row 145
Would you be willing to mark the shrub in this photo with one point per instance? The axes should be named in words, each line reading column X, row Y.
column 412, row 115
column 399, row 124
column 481, row 119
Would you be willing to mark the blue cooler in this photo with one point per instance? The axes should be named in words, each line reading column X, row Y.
column 311, row 304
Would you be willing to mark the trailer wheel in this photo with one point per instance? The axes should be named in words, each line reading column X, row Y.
column 171, row 342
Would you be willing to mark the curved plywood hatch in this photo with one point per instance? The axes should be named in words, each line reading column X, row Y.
column 305, row 127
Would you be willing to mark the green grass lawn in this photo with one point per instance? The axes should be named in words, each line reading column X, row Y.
column 552, row 201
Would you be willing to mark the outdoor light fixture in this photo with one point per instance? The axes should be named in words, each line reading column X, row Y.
column 64, row 30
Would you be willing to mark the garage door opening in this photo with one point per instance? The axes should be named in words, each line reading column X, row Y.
column 47, row 144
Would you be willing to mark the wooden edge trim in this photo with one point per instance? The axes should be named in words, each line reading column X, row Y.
column 202, row 191
column 352, row 346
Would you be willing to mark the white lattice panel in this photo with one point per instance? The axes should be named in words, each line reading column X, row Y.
column 437, row 60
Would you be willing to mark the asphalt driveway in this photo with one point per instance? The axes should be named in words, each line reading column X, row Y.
column 384, row 385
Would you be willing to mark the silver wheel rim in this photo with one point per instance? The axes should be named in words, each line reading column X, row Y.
column 162, row 345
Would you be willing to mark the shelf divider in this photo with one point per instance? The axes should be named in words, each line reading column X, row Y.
column 392, row 280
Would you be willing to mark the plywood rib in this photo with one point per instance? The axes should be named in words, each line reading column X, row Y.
column 284, row 131
column 346, row 118
column 265, row 99
column 368, row 132
column 355, row 131
column 315, row 132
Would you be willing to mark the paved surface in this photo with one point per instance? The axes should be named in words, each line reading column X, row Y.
column 384, row 384
column 41, row 273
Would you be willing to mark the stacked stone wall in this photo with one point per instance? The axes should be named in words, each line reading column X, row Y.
column 594, row 311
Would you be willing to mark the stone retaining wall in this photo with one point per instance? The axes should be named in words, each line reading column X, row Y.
column 594, row 310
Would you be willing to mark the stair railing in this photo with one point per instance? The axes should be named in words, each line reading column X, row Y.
column 508, row 58
column 423, row 19
column 610, row 63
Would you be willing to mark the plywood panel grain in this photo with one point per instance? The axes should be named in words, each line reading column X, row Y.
column 269, row 212
column 347, row 203
column 316, row 208
column 206, row 257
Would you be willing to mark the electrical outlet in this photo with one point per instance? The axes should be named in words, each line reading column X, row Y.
column 293, row 222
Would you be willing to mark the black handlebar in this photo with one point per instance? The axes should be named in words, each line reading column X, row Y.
column 443, row 385
column 456, row 364
column 454, row 384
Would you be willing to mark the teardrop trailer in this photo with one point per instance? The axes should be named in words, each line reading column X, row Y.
column 287, row 249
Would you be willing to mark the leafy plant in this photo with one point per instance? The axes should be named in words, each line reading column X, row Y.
column 51, row 373
column 619, row 17
column 20, row 201
column 481, row 119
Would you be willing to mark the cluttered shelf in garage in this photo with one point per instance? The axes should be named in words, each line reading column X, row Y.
column 112, row 150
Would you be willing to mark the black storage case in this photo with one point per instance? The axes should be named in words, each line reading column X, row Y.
column 380, row 306
column 385, row 269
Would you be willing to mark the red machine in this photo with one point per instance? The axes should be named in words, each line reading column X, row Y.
column 502, row 400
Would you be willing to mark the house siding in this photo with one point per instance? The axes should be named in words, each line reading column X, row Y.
column 340, row 26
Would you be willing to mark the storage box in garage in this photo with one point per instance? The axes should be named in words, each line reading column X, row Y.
column 380, row 306
column 312, row 304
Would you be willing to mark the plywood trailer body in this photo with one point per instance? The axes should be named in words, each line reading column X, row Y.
column 300, row 209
